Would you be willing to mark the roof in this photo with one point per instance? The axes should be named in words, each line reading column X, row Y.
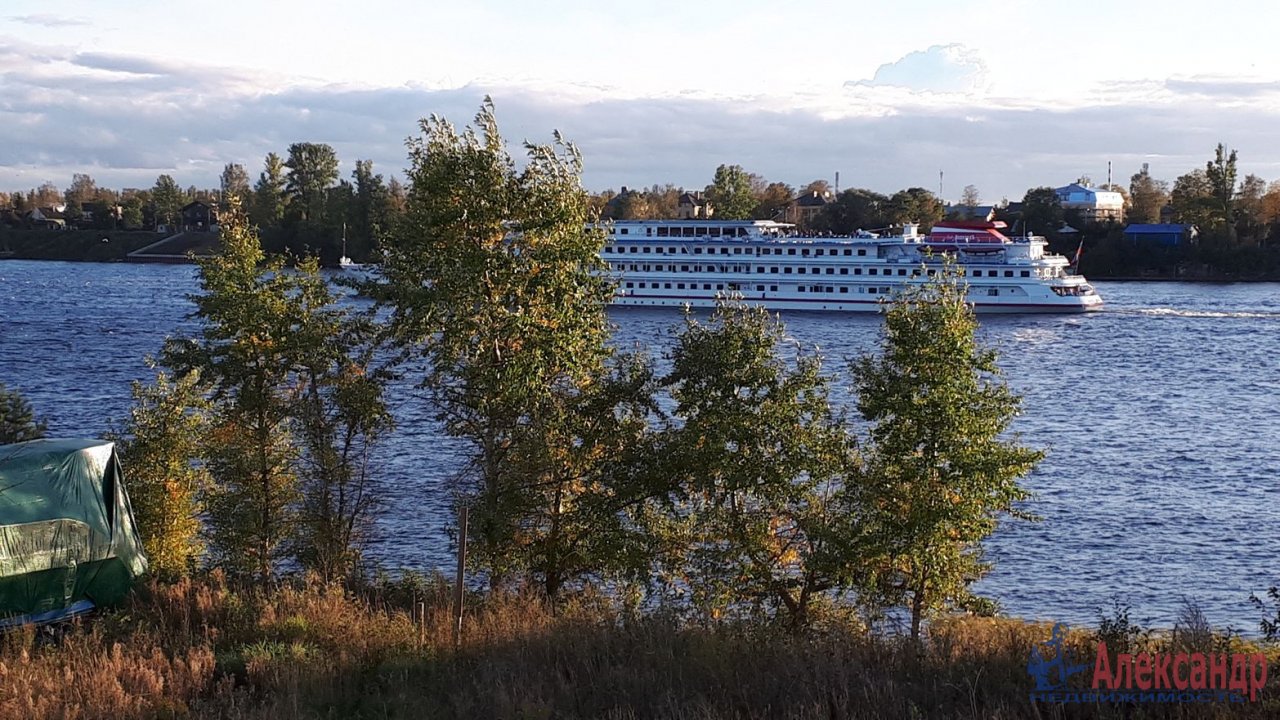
column 1156, row 228
column 194, row 203
column 813, row 199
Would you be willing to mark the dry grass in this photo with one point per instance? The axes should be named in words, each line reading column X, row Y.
column 198, row 649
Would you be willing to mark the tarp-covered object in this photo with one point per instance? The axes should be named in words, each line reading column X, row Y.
column 67, row 535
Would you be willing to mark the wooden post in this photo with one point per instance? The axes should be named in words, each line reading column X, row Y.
column 422, row 624
column 458, row 578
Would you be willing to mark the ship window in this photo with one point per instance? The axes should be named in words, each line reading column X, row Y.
column 902, row 271
column 630, row 285
column 932, row 273
column 847, row 251
column 993, row 291
column 1026, row 273
column 697, row 251
column 760, row 269
column 662, row 232
column 805, row 251
column 706, row 286
column 786, row 271
column 684, row 268
column 641, row 286
column 689, row 232
column 872, row 271
column 844, row 271
column 759, row 288
column 679, row 286
column 635, row 249
column 830, row 289
column 724, row 251
column 801, row 271
column 773, row 288
column 714, row 232
column 646, row 268
column 1008, row 273
column 624, row 231
column 719, row 287
column 633, row 268
column 844, row 289
column 862, row 251
column 666, row 286
column 800, row 288
column 648, row 231
column 977, row 273
column 992, row 273
column 737, row 251
column 671, row 251
column 857, row 271
column 915, row 273
column 791, row 251
column 818, row 251
column 831, row 271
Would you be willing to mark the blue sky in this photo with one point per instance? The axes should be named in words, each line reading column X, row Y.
column 1002, row 95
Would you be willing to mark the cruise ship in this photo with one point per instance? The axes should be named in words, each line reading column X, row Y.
column 690, row 262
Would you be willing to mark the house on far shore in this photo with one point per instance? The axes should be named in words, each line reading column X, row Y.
column 980, row 213
column 692, row 206
column 1161, row 234
column 1093, row 204
column 47, row 218
column 199, row 215
column 803, row 210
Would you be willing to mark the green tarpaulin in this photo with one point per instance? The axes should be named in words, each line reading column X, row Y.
column 67, row 535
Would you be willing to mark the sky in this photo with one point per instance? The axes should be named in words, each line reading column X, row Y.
column 1003, row 95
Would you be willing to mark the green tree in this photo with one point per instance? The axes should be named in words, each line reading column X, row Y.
column 1041, row 212
column 313, row 169
column 731, row 193
column 260, row 324
column 269, row 194
column 940, row 471
column 235, row 181
column 915, row 205
column 1221, row 176
column 371, row 212
column 970, row 197
column 160, row 448
column 167, row 199
column 496, row 284
column 765, row 495
column 132, row 212
column 1148, row 197
column 773, row 201
column 1192, row 200
column 18, row 422
column 852, row 210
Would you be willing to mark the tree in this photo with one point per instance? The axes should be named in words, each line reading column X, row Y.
column 852, row 210
column 234, row 181
column 269, row 194
column 730, row 193
column 970, row 197
column 494, row 282
column 131, row 212
column 765, row 497
column 1041, row 212
column 1148, row 197
column 313, row 168
column 915, row 205
column 371, row 212
column 940, row 472
column 254, row 337
column 773, row 201
column 160, row 448
column 18, row 422
column 1221, row 176
column 1250, row 210
column 1192, row 200
column 166, row 197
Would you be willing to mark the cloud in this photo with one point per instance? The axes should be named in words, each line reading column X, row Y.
column 1222, row 87
column 125, row 121
column 950, row 68
column 49, row 20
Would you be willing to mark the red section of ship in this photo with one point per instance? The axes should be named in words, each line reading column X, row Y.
column 967, row 236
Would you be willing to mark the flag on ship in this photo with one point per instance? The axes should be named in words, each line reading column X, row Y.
column 1075, row 263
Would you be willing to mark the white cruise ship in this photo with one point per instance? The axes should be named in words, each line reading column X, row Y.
column 679, row 262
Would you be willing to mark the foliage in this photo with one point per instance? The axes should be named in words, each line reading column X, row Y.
column 235, row 181
column 773, row 201
column 1148, row 196
column 167, row 199
column 1220, row 173
column 731, row 194
column 970, row 196
column 852, row 210
column 160, row 447
column 1192, row 200
column 269, row 193
column 1041, row 212
column 313, row 168
column 495, row 284
column 18, row 422
column 764, row 489
column 940, row 474
column 914, row 205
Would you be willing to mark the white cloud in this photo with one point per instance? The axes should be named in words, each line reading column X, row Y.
column 49, row 20
column 952, row 68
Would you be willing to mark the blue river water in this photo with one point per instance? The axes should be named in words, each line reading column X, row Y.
column 1160, row 416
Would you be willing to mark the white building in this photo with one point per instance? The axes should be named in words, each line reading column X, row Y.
column 1094, row 205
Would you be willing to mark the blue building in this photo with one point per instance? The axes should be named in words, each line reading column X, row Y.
column 1161, row 234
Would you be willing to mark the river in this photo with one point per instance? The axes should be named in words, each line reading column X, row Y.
column 1159, row 415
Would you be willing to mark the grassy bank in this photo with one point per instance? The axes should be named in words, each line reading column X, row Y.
column 198, row 649
column 74, row 245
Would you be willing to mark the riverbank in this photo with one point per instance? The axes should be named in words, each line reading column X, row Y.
column 199, row 649
column 73, row 245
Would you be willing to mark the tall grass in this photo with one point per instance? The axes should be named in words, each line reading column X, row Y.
column 202, row 650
